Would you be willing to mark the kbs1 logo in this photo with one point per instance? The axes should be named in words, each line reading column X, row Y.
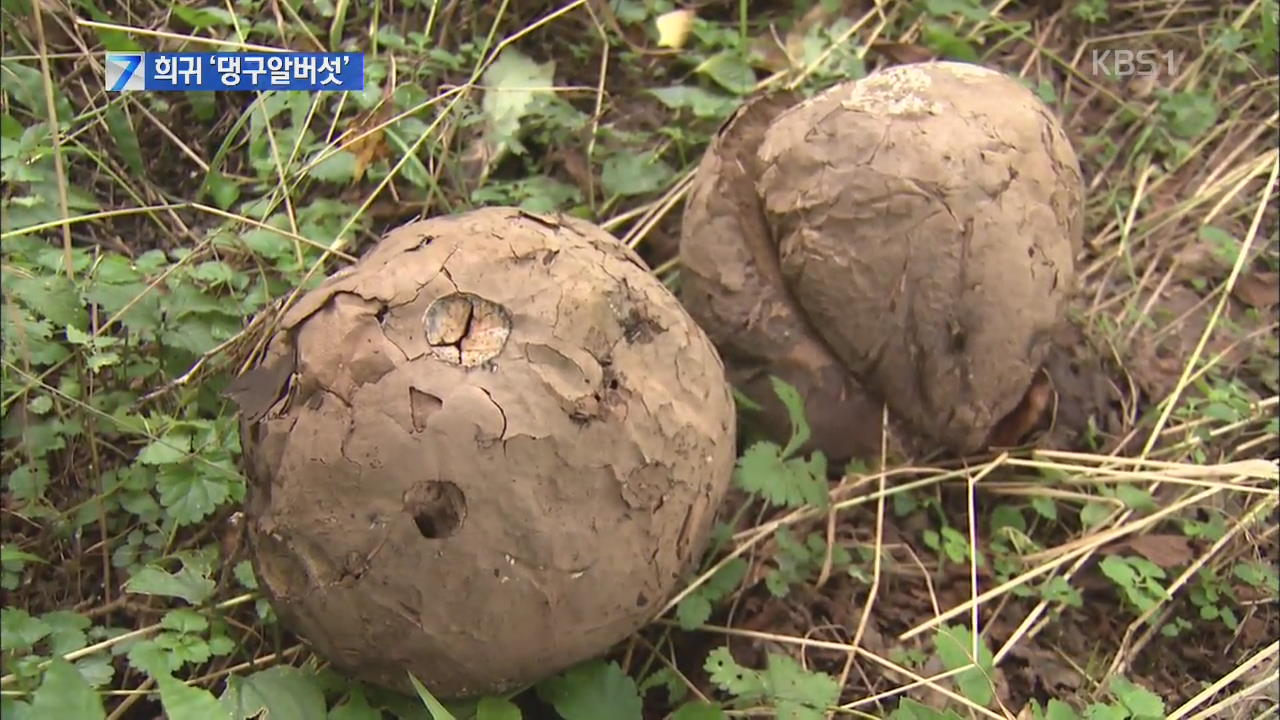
column 1142, row 63
column 314, row 72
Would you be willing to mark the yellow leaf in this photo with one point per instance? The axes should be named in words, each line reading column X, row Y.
column 673, row 28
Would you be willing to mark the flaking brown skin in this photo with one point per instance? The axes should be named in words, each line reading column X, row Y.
column 732, row 284
column 487, row 451
column 924, row 220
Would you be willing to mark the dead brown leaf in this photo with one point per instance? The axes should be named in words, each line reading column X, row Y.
column 1258, row 289
column 902, row 53
column 1165, row 550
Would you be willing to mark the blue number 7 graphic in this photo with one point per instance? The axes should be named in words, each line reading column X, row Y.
column 131, row 65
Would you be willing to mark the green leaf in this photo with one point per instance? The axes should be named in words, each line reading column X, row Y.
column 339, row 168
column 1188, row 115
column 625, row 173
column 9, row 553
column 944, row 41
column 191, row 492
column 593, row 690
column 126, row 139
column 184, row 702
column 66, row 631
column 789, row 483
column 1045, row 507
column 693, row 611
column 1058, row 710
column 702, row 103
column 1141, row 703
column 435, row 707
column 496, row 709
column 185, row 620
column 174, row 446
column 954, row 644
column 1007, row 516
column 283, row 692
column 1135, row 498
column 356, row 707
column 201, row 18
column 1094, row 513
column 66, row 694
column 743, row 683
column 52, row 297
column 964, row 8
column 19, row 630
column 188, row 583
column 799, row 694
column 515, row 86
column 698, row 711
column 222, row 189
column 112, row 40
column 794, row 403
column 729, row 70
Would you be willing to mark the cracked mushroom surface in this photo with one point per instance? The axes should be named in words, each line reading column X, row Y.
column 483, row 453
column 924, row 220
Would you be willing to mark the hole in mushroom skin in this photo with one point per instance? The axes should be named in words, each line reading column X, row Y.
column 437, row 507
column 466, row 329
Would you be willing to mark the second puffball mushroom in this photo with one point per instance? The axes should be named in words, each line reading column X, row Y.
column 918, row 225
column 483, row 453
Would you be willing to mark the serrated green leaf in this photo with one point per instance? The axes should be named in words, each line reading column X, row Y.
column 283, row 692
column 514, row 85
column 799, row 694
column 693, row 611
column 1188, row 115
column 954, row 645
column 65, row 693
column 593, row 690
column 625, row 174
column 185, row 620
column 743, row 683
column 174, row 446
column 191, row 492
column 66, row 631
column 1141, row 703
column 188, row 583
column 53, row 297
column 19, row 630
column 184, row 702
column 97, row 669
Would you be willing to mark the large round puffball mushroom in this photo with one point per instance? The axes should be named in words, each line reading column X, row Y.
column 483, row 453
column 923, row 221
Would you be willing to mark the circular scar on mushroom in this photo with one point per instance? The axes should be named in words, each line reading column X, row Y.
column 483, row 453
column 923, row 222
